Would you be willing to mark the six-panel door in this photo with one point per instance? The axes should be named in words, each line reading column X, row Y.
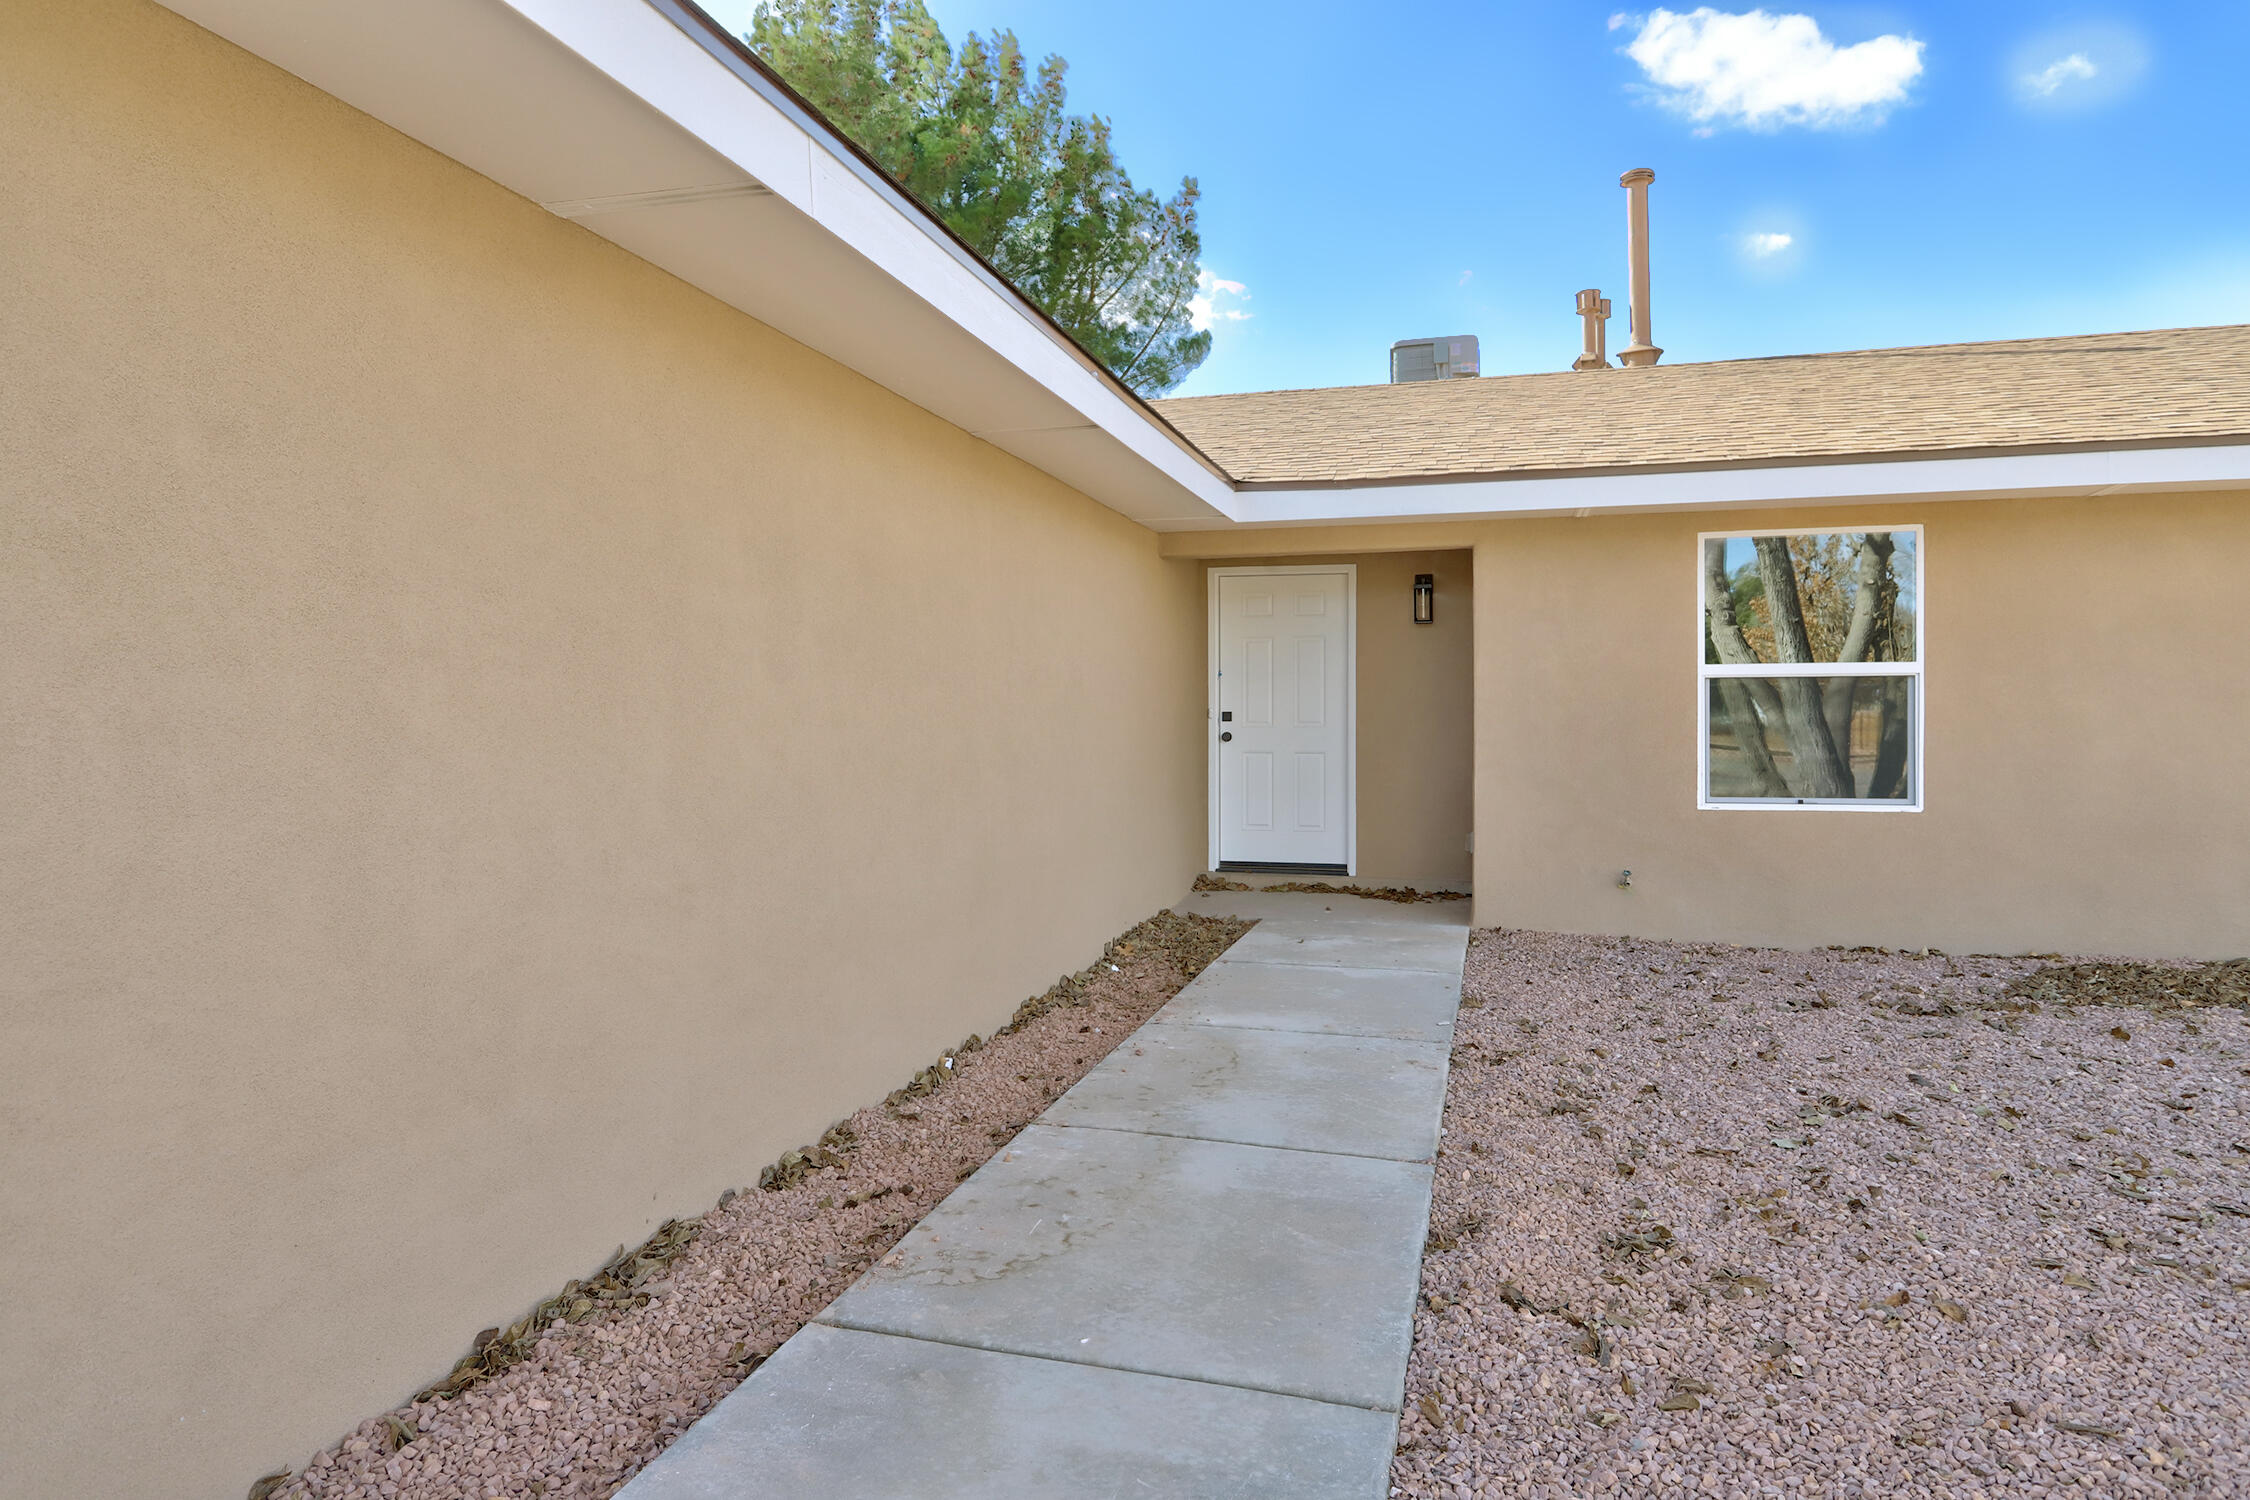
column 1283, row 640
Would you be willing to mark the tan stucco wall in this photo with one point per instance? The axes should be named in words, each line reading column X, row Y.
column 2088, row 730
column 500, row 746
column 1416, row 739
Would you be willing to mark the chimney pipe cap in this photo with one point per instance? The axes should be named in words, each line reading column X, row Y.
column 1637, row 176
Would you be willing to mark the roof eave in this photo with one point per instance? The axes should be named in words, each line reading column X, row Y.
column 2078, row 471
column 1737, row 465
column 646, row 124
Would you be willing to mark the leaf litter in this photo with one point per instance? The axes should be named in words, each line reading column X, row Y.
column 1405, row 895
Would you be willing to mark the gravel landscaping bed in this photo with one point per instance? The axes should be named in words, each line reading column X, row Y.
column 1742, row 1221
column 575, row 1400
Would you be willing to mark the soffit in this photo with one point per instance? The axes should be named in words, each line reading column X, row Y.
column 623, row 116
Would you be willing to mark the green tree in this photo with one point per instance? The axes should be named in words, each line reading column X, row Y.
column 990, row 148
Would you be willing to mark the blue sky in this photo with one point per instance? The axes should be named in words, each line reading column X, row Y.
column 1941, row 172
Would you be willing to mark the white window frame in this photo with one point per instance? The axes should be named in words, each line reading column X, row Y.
column 1708, row 672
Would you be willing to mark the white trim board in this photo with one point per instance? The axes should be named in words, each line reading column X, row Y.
column 1351, row 698
column 2030, row 476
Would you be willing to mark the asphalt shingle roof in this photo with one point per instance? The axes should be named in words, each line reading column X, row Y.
column 2172, row 386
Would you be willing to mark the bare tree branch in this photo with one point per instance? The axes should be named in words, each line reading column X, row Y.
column 1820, row 768
column 1871, row 561
column 1726, row 631
column 1750, row 736
column 1889, row 779
column 1739, row 694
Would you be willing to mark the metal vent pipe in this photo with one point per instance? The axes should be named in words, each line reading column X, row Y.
column 1642, row 351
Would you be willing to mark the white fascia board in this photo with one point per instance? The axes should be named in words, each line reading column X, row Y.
column 638, row 46
column 2105, row 471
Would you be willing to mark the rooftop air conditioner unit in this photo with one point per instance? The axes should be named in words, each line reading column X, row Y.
column 1434, row 359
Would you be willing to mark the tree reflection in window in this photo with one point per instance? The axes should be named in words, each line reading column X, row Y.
column 1811, row 647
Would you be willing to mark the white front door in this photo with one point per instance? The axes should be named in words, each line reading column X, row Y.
column 1283, row 724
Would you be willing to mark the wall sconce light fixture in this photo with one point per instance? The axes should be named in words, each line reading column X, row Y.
column 1425, row 598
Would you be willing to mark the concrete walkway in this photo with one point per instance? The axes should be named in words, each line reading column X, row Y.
column 1194, row 1275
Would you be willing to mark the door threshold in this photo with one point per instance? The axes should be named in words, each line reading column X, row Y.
column 1262, row 867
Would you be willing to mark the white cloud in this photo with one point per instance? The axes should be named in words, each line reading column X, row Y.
column 1464, row 281
column 1764, row 71
column 1770, row 241
column 2075, row 68
column 1215, row 301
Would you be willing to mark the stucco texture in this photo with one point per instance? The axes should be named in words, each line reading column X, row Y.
column 1415, row 739
column 500, row 747
column 2086, row 718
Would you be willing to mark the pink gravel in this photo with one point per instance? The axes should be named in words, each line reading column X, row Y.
column 1684, row 1243
column 597, row 1400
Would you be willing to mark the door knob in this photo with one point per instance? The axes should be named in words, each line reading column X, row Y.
column 1225, row 735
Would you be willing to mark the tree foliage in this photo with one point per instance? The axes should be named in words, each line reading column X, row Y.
column 989, row 146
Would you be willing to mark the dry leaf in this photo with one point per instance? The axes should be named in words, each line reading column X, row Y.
column 1651, row 1241
column 1679, row 1401
column 1954, row 1311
